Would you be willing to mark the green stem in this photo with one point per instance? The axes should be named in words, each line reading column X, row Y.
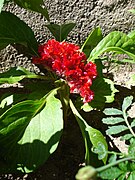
column 112, row 152
column 129, row 127
column 37, row 77
column 113, row 164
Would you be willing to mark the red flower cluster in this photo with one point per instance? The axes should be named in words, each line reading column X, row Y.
column 66, row 60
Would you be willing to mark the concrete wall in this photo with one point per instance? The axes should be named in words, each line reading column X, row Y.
column 110, row 15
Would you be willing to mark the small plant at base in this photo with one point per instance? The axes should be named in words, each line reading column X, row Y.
column 120, row 166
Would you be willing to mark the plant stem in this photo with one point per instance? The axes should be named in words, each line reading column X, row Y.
column 129, row 127
column 113, row 164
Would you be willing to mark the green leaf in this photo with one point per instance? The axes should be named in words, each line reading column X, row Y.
column 132, row 166
column 30, row 132
column 132, row 80
column 112, row 120
column 92, row 40
column 132, row 11
column 123, row 166
column 1, row 4
column 111, row 173
column 127, row 103
column 112, row 111
column 131, row 35
column 60, row 32
column 126, row 137
column 133, row 123
column 34, row 5
column 116, row 129
column 112, row 158
column 114, row 41
column 123, row 176
column 90, row 135
column 16, row 74
column 131, row 149
column 14, row 30
column 104, row 92
column 98, row 142
column 131, row 176
column 6, row 101
column 100, row 150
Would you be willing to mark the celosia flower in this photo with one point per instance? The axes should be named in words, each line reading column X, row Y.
column 68, row 62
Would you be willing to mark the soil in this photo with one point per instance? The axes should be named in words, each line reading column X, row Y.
column 64, row 163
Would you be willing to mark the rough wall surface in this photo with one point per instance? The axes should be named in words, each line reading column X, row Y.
column 110, row 15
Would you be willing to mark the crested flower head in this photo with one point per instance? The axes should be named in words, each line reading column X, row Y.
column 68, row 62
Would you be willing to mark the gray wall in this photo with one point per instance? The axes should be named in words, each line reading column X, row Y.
column 110, row 15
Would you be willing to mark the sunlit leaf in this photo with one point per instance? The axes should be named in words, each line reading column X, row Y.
column 116, row 129
column 34, row 5
column 90, row 135
column 104, row 92
column 112, row 111
column 127, row 102
column 126, row 137
column 115, row 41
column 112, row 120
column 92, row 40
column 1, row 4
column 29, row 133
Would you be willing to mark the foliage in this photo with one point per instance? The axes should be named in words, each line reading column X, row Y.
column 114, row 119
column 120, row 166
column 35, row 119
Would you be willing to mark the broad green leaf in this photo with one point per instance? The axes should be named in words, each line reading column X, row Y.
column 126, row 137
column 112, row 111
column 1, row 4
column 116, row 129
column 90, row 135
column 14, row 30
column 115, row 41
column 34, row 5
column 60, row 32
column 30, row 132
column 16, row 74
column 104, row 92
column 111, row 173
column 92, row 40
column 112, row 120
column 127, row 103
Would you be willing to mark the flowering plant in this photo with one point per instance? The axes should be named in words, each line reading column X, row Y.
column 36, row 117
column 66, row 60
